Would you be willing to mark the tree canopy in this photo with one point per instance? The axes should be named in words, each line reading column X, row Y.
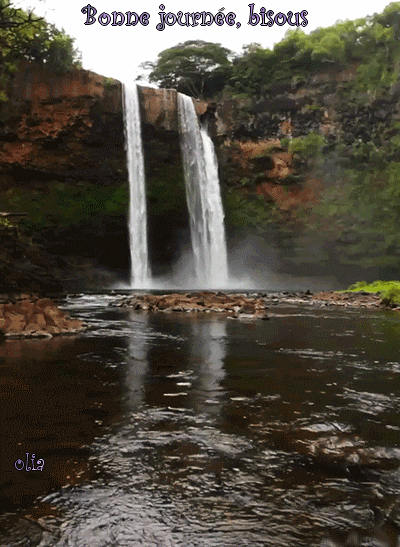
column 194, row 67
column 203, row 69
column 24, row 36
column 11, row 17
column 372, row 43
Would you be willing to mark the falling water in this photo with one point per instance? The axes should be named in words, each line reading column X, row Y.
column 140, row 271
column 203, row 198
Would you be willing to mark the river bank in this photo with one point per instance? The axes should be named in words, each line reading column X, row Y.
column 25, row 315
column 241, row 305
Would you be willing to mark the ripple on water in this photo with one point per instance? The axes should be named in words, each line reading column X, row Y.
column 284, row 447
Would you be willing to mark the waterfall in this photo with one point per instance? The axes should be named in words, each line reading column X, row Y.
column 140, row 270
column 203, row 198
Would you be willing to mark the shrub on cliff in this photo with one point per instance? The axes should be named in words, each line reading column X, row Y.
column 24, row 36
column 372, row 43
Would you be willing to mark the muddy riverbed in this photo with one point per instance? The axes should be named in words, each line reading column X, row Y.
column 193, row 429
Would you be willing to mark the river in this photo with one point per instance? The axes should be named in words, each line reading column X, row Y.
column 198, row 430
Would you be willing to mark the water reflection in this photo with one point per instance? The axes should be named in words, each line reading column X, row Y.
column 137, row 362
column 175, row 371
column 221, row 433
column 208, row 349
column 54, row 400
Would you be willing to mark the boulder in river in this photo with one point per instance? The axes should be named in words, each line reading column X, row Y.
column 34, row 316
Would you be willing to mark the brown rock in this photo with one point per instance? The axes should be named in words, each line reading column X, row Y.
column 39, row 320
column 14, row 322
column 53, row 315
column 162, row 304
column 74, row 324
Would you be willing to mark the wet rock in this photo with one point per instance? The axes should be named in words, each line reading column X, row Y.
column 34, row 316
column 353, row 299
column 206, row 302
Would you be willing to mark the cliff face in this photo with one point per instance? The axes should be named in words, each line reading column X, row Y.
column 60, row 128
column 63, row 161
column 62, row 158
column 322, row 104
column 70, row 128
column 253, row 159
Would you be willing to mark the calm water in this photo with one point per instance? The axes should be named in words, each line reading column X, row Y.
column 179, row 430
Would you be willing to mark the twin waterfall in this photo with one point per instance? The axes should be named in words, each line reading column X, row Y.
column 202, row 195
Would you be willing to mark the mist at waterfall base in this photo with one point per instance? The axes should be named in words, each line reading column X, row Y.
column 205, row 263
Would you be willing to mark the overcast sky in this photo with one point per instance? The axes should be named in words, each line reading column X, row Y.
column 117, row 51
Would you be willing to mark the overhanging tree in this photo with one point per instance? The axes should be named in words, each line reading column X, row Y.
column 194, row 67
column 24, row 36
column 12, row 17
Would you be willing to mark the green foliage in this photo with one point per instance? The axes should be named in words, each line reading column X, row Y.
column 5, row 222
column 312, row 108
column 194, row 67
column 247, row 211
column 23, row 36
column 201, row 68
column 162, row 199
column 359, row 218
column 64, row 205
column 309, row 146
column 57, row 50
column 109, row 82
column 372, row 42
column 389, row 291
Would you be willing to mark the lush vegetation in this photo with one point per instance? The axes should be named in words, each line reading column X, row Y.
column 389, row 291
column 23, row 36
column 63, row 205
column 195, row 67
column 371, row 43
column 358, row 216
column 204, row 69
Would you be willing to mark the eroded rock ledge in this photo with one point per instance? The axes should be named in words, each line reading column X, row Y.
column 32, row 316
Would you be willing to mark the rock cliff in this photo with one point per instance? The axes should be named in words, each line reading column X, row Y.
column 70, row 127
column 62, row 159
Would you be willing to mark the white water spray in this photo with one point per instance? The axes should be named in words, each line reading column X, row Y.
column 203, row 198
column 140, row 270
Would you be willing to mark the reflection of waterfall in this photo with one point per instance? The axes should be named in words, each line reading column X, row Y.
column 203, row 198
column 140, row 271
column 209, row 345
column 137, row 362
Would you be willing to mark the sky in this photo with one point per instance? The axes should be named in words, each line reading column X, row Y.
column 118, row 51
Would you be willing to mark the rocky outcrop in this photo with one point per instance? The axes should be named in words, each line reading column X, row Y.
column 288, row 109
column 234, row 305
column 29, row 316
column 159, row 108
column 242, row 306
column 63, row 137
column 61, row 128
column 70, row 127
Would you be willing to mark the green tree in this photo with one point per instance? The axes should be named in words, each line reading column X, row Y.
column 194, row 67
column 12, row 18
column 24, row 36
